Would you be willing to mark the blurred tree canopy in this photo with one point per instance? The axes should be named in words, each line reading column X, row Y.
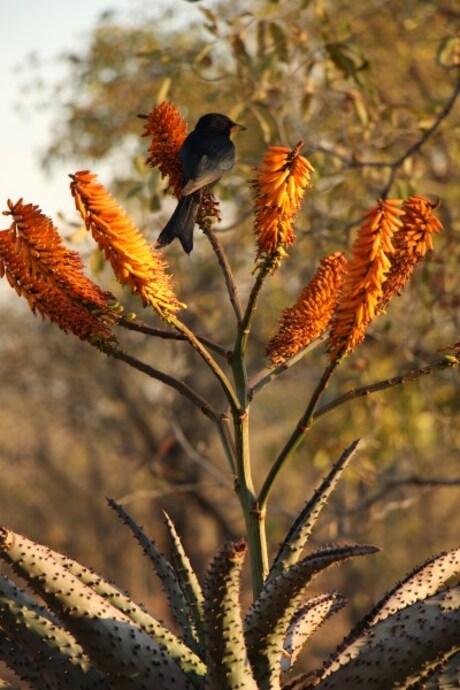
column 370, row 87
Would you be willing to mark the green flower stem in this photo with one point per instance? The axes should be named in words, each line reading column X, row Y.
column 226, row 270
column 227, row 443
column 244, row 487
column 244, row 329
column 297, row 436
column 264, row 377
column 211, row 362
column 253, row 517
column 248, row 316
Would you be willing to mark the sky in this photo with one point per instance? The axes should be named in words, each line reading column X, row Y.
column 45, row 28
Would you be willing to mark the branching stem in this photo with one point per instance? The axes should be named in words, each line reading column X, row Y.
column 226, row 269
column 141, row 327
column 297, row 436
column 211, row 362
column 413, row 375
column 171, row 381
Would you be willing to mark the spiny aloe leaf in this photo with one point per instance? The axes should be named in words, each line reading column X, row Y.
column 431, row 670
column 300, row 530
column 57, row 656
column 190, row 663
column 187, row 578
column 421, row 583
column 268, row 619
column 168, row 577
column 305, row 621
column 228, row 667
column 447, row 677
column 398, row 648
column 123, row 653
column 17, row 661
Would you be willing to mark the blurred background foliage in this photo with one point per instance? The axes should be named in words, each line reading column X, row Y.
column 359, row 83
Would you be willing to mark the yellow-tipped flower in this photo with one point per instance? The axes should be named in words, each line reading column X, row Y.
column 131, row 257
column 50, row 277
column 412, row 242
column 367, row 272
column 311, row 314
column 45, row 255
column 279, row 186
column 167, row 130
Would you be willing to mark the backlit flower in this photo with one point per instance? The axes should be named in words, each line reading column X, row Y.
column 167, row 130
column 279, row 186
column 367, row 272
column 412, row 242
column 311, row 314
column 131, row 257
column 44, row 254
column 50, row 277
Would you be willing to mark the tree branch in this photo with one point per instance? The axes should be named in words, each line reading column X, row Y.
column 444, row 363
column 392, row 484
column 425, row 136
column 179, row 386
column 141, row 327
column 396, row 164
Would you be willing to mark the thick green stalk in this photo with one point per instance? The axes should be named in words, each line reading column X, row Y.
column 297, row 435
column 244, row 487
column 253, row 517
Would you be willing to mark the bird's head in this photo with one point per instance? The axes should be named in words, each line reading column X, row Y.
column 215, row 122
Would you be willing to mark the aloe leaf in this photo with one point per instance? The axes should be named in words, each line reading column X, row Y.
column 122, row 653
column 190, row 663
column 13, row 656
column 447, row 677
column 228, row 666
column 169, row 579
column 305, row 621
column 300, row 530
column 421, row 583
column 187, row 578
column 268, row 619
column 398, row 649
column 57, row 656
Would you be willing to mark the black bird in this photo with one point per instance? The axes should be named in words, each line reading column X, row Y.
column 206, row 154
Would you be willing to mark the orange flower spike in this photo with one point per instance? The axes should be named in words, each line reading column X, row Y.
column 45, row 256
column 367, row 273
column 412, row 242
column 167, row 130
column 132, row 260
column 279, row 186
column 48, row 299
column 311, row 314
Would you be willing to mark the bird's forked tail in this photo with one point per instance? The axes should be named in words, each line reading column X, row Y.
column 181, row 223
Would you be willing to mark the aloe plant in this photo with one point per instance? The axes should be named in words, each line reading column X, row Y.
column 92, row 635
column 83, row 632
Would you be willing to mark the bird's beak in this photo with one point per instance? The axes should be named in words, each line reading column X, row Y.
column 237, row 128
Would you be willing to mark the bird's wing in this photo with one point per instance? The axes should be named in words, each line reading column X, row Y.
column 207, row 172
